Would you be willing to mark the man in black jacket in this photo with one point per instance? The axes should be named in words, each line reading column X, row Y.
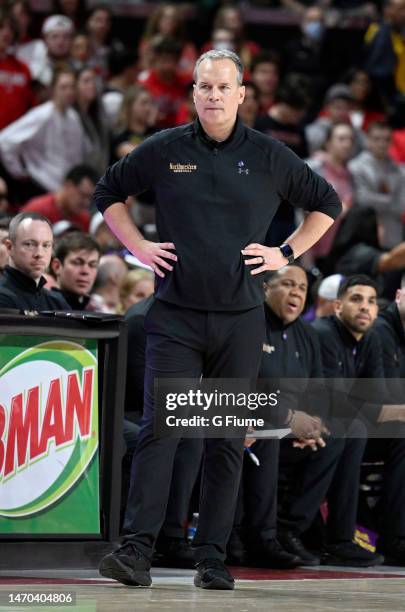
column 389, row 443
column 217, row 186
column 291, row 351
column 29, row 247
column 75, row 264
column 352, row 350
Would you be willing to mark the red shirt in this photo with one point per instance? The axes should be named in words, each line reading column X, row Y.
column 397, row 150
column 46, row 205
column 168, row 96
column 16, row 95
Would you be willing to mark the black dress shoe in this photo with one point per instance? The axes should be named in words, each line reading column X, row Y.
column 270, row 553
column 292, row 543
column 212, row 574
column 350, row 554
column 127, row 565
column 393, row 550
column 174, row 552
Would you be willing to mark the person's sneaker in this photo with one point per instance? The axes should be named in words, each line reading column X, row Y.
column 393, row 550
column 270, row 553
column 350, row 554
column 212, row 574
column 292, row 543
column 174, row 552
column 127, row 565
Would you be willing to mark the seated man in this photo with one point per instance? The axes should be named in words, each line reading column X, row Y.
column 291, row 350
column 351, row 350
column 75, row 266
column 29, row 246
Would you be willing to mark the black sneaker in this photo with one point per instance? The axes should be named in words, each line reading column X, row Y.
column 212, row 574
column 174, row 552
column 350, row 554
column 393, row 550
column 292, row 543
column 127, row 565
column 270, row 553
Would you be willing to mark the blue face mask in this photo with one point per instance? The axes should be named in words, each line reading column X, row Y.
column 314, row 30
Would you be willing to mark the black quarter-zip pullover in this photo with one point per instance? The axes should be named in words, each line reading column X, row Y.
column 344, row 357
column 19, row 291
column 212, row 200
column 292, row 352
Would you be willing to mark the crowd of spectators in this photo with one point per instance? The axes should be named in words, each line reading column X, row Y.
column 74, row 98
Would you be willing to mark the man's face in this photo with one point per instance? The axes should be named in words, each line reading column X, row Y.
column 217, row 95
column 340, row 144
column 77, row 198
column 165, row 65
column 339, row 110
column 31, row 252
column 59, row 43
column 357, row 309
column 378, row 142
column 266, row 77
column 286, row 294
column 64, row 92
column 78, row 271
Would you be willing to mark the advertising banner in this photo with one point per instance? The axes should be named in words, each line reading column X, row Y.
column 49, row 474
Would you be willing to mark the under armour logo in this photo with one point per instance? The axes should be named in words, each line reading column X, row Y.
column 241, row 168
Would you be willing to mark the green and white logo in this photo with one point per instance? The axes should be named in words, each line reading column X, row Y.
column 48, row 424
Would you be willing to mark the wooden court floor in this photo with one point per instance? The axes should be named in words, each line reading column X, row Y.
column 318, row 589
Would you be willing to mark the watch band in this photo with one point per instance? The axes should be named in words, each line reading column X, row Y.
column 287, row 252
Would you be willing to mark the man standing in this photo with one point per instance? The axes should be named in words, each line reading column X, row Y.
column 45, row 143
column 75, row 265
column 29, row 246
column 218, row 185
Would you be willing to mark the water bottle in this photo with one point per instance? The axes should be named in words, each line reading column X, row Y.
column 192, row 527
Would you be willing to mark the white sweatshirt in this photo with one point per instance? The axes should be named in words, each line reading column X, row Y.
column 44, row 144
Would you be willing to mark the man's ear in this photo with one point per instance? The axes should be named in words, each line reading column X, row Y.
column 337, row 305
column 56, row 265
column 242, row 92
column 8, row 244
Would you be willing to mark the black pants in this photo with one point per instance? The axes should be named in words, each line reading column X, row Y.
column 392, row 451
column 332, row 472
column 185, row 343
